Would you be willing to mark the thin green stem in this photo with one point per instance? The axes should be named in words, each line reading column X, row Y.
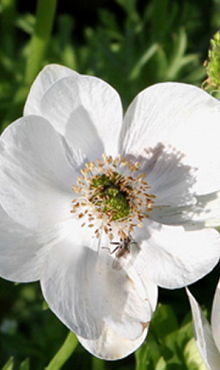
column 159, row 19
column 46, row 10
column 98, row 364
column 64, row 353
column 7, row 25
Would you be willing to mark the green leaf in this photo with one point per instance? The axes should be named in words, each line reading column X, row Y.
column 192, row 356
column 141, row 356
column 63, row 353
column 148, row 355
column 9, row 365
column 214, row 63
column 160, row 17
column 25, row 365
column 45, row 306
column 164, row 322
column 26, row 23
column 135, row 73
column 161, row 365
column 97, row 364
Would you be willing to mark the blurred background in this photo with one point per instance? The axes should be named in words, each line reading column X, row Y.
column 131, row 44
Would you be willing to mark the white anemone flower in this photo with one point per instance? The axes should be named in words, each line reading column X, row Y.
column 102, row 210
column 207, row 336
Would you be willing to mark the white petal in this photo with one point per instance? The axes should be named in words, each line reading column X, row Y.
column 20, row 251
column 203, row 336
column 179, row 257
column 170, row 180
column 23, row 252
column 83, row 135
column 184, row 117
column 111, row 346
column 215, row 317
column 44, row 81
column 36, row 176
column 88, row 295
column 75, row 100
column 138, row 265
column 205, row 212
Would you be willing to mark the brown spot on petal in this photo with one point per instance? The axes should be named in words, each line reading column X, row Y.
column 145, row 325
column 130, row 280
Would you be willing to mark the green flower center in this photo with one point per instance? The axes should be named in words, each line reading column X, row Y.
column 111, row 195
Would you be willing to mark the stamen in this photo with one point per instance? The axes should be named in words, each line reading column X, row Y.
column 106, row 196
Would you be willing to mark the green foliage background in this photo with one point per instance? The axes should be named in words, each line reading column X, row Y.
column 131, row 44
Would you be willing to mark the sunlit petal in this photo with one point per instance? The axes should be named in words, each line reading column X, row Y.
column 204, row 337
column 180, row 257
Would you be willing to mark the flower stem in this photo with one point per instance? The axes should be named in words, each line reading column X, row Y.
column 42, row 32
column 64, row 353
column 98, row 364
column 7, row 26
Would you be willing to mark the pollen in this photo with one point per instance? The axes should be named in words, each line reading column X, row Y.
column 112, row 193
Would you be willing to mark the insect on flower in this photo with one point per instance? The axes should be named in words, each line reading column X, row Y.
column 125, row 252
